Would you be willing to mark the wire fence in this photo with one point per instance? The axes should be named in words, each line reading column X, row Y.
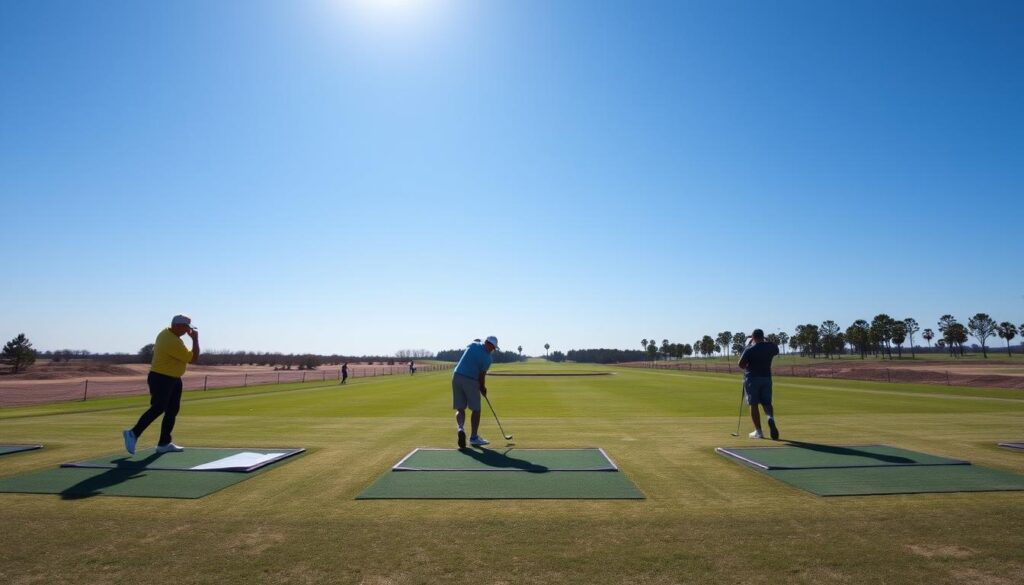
column 44, row 392
column 867, row 374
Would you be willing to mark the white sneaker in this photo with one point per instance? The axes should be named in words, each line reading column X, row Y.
column 478, row 441
column 756, row 434
column 169, row 448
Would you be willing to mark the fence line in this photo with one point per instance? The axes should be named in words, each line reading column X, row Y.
column 47, row 392
column 866, row 374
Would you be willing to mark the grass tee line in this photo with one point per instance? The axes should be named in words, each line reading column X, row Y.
column 952, row 392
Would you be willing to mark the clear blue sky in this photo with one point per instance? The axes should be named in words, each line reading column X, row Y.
column 360, row 177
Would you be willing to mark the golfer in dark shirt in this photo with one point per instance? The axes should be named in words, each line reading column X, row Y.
column 756, row 361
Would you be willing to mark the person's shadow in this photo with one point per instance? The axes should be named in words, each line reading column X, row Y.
column 126, row 470
column 503, row 461
column 836, row 450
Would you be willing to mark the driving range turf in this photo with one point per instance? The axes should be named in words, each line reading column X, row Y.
column 704, row 519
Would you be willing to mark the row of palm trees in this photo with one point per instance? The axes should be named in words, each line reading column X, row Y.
column 878, row 336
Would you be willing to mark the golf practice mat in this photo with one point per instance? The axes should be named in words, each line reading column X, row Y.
column 1012, row 445
column 146, row 474
column 859, row 470
column 480, row 474
column 813, row 456
column 5, row 449
column 191, row 459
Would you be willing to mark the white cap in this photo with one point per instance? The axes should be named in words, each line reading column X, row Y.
column 181, row 320
column 493, row 341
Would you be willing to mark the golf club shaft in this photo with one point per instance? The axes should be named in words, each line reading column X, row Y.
column 507, row 437
column 739, row 416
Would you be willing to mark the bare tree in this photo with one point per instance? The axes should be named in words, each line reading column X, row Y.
column 912, row 327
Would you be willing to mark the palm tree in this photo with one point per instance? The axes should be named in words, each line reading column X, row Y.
column 547, row 346
column 783, row 340
column 724, row 339
column 1007, row 331
column 665, row 347
column 928, row 334
column 520, row 348
column 643, row 343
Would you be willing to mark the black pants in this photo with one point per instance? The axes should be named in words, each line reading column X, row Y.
column 165, row 399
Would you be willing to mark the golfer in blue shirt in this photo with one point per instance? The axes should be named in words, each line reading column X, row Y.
column 468, row 384
column 756, row 361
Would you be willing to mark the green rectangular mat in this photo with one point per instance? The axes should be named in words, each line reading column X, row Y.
column 864, row 481
column 5, row 449
column 75, row 483
column 531, row 460
column 191, row 459
column 473, row 485
column 814, row 456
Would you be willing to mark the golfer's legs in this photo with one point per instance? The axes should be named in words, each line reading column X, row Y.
column 170, row 414
column 159, row 393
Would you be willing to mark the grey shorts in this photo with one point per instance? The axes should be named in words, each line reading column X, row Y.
column 465, row 393
column 758, row 390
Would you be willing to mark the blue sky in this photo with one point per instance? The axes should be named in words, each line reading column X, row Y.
column 364, row 177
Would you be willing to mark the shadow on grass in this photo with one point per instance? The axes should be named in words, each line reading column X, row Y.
column 499, row 461
column 835, row 450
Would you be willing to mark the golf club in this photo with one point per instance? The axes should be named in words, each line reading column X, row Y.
column 739, row 417
column 507, row 437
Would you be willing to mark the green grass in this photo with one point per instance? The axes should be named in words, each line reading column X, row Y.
column 705, row 519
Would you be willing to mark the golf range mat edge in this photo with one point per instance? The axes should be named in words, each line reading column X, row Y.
column 484, row 459
column 191, row 459
column 856, row 455
column 18, row 448
column 885, row 477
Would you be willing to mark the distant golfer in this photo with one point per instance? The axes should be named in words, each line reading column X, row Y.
column 344, row 373
column 756, row 361
column 169, row 361
column 412, row 368
column 468, row 384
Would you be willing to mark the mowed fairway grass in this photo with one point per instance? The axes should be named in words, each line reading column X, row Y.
column 705, row 519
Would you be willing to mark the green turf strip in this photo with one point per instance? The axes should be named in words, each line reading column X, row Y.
column 472, row 485
column 74, row 483
column 863, row 481
column 5, row 449
column 531, row 460
column 149, row 459
column 814, row 456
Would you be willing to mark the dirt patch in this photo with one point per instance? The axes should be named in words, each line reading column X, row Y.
column 934, row 551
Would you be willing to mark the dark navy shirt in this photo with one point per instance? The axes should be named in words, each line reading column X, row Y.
column 759, row 359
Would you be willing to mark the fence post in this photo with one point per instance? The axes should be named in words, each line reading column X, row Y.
column 888, row 375
column 792, row 371
column 205, row 378
column 245, row 380
column 85, row 394
column 279, row 377
column 303, row 376
column 947, row 377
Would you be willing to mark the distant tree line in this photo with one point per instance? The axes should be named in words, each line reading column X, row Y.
column 497, row 356
column 878, row 337
column 605, row 356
